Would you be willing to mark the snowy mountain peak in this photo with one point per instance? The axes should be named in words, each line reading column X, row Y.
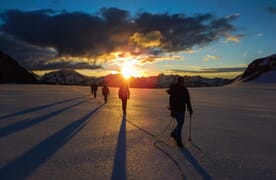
column 64, row 76
column 260, row 70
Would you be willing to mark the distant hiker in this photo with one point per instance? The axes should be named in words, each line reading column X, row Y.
column 124, row 95
column 105, row 92
column 94, row 89
column 179, row 98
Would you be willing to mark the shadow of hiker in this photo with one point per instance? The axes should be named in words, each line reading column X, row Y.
column 23, row 124
column 25, row 111
column 119, row 166
column 195, row 164
column 24, row 165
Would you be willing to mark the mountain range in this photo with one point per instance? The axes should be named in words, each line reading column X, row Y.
column 12, row 72
column 70, row 77
column 65, row 76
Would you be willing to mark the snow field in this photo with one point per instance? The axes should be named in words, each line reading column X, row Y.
column 61, row 132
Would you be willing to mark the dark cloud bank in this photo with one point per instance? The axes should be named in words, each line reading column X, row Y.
column 210, row 70
column 34, row 37
column 271, row 9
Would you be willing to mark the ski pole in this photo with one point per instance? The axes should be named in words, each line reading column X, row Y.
column 190, row 128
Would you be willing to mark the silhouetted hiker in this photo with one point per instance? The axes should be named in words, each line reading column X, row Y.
column 94, row 89
column 170, row 98
column 105, row 92
column 179, row 98
column 124, row 95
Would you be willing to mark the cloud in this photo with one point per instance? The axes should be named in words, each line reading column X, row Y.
column 259, row 51
column 189, row 51
column 151, row 58
column 271, row 9
column 211, row 57
column 210, row 70
column 224, row 69
column 150, row 40
column 64, row 65
column 57, row 34
column 235, row 38
column 233, row 16
column 260, row 34
column 26, row 54
column 39, row 58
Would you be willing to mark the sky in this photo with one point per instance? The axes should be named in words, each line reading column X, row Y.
column 210, row 38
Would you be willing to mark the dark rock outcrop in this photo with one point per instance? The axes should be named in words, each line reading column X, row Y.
column 12, row 72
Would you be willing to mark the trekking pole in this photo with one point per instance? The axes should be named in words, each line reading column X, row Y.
column 190, row 128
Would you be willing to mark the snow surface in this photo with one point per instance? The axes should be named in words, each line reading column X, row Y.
column 61, row 132
column 267, row 77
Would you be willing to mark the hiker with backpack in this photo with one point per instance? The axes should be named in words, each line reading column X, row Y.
column 105, row 92
column 124, row 95
column 179, row 99
column 94, row 88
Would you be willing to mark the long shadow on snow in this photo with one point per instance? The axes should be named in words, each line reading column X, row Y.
column 24, row 165
column 196, row 165
column 119, row 166
column 23, row 124
column 25, row 111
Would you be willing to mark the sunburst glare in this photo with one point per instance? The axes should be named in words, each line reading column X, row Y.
column 129, row 69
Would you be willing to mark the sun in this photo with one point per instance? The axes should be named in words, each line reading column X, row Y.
column 129, row 70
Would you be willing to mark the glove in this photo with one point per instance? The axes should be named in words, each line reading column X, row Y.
column 173, row 114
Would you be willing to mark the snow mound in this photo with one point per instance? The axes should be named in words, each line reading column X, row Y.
column 259, row 67
column 260, row 71
column 267, row 77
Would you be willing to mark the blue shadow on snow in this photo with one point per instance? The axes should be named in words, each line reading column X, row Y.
column 25, row 164
column 25, row 111
column 196, row 165
column 119, row 166
column 23, row 124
